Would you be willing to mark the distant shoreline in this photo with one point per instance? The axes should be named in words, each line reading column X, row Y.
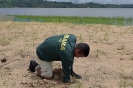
column 54, row 4
column 69, row 19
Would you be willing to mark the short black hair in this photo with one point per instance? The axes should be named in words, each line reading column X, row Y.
column 84, row 48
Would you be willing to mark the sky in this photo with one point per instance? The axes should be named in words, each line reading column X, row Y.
column 97, row 1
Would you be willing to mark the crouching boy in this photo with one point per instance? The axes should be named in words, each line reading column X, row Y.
column 58, row 48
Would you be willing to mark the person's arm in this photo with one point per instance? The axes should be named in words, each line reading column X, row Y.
column 74, row 74
column 67, row 56
column 66, row 71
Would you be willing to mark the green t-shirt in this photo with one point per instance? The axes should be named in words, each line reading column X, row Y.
column 59, row 48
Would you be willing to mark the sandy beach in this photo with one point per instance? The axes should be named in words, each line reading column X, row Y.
column 109, row 65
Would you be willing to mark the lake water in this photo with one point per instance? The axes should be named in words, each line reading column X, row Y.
column 89, row 12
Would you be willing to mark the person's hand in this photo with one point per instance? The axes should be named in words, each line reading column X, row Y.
column 77, row 76
column 73, row 74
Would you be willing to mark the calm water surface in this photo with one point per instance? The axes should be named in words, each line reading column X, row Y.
column 90, row 12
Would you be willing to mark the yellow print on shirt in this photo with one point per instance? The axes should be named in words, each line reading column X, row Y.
column 64, row 41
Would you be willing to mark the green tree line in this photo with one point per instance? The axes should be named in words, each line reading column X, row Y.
column 50, row 4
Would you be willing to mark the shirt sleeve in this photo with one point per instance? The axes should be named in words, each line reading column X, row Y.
column 67, row 55
column 67, row 62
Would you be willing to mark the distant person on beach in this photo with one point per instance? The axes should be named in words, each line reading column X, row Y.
column 59, row 48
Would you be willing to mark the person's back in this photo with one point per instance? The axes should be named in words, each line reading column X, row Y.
column 53, row 48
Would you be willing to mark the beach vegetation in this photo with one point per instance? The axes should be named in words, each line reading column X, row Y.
column 75, row 19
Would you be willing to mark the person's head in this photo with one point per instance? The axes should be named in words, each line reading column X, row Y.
column 81, row 50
